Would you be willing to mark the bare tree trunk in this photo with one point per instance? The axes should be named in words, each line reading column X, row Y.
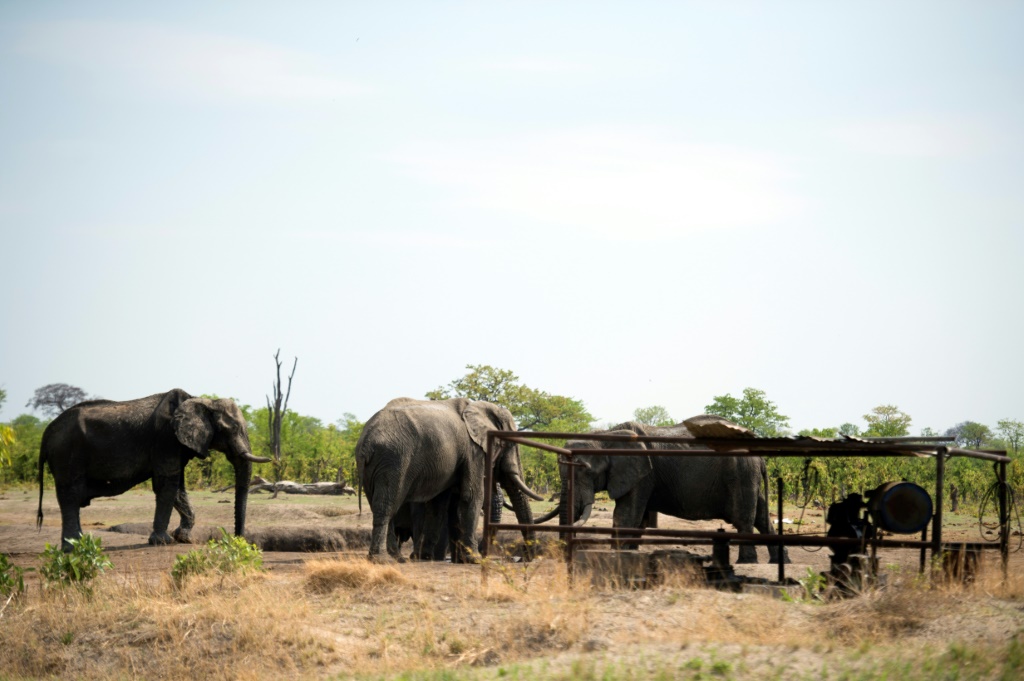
column 275, row 413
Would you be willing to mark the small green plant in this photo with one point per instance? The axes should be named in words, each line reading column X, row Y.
column 813, row 583
column 222, row 556
column 12, row 579
column 78, row 567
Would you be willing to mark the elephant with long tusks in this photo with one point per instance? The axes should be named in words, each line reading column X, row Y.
column 428, row 451
column 102, row 448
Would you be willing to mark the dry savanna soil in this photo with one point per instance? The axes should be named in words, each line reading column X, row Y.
column 332, row 614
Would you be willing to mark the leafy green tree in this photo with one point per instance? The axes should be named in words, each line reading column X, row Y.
column 754, row 411
column 532, row 409
column 23, row 450
column 655, row 415
column 1012, row 433
column 6, row 436
column 826, row 433
column 887, row 420
column 970, row 435
column 849, row 429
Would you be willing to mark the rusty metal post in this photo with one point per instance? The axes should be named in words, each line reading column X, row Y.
column 940, row 475
column 1004, row 520
column 924, row 551
column 488, row 497
column 570, row 518
column 782, row 547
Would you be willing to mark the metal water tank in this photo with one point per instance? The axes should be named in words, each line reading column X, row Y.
column 900, row 507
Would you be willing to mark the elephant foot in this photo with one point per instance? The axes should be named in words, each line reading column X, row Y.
column 747, row 557
column 385, row 559
column 182, row 536
column 160, row 539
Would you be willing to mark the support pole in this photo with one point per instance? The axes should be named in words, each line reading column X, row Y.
column 1004, row 519
column 940, row 475
column 782, row 547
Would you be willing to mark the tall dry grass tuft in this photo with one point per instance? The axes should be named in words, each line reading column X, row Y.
column 212, row 629
column 325, row 575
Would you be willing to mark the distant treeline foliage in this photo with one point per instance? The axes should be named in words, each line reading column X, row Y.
column 313, row 451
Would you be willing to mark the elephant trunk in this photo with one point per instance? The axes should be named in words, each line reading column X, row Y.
column 243, row 473
column 521, row 507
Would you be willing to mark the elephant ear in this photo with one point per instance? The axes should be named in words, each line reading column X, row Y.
column 192, row 426
column 481, row 417
column 625, row 472
column 164, row 412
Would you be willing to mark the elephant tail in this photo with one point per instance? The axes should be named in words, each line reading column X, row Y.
column 39, row 513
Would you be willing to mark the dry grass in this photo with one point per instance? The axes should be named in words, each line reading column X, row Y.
column 349, row 617
column 323, row 576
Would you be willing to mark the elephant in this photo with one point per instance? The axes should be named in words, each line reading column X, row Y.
column 430, row 450
column 103, row 448
column 728, row 488
column 408, row 524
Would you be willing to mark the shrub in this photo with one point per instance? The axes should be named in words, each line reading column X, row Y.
column 222, row 556
column 81, row 565
column 12, row 579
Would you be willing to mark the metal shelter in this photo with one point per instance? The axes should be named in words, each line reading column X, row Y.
column 937, row 449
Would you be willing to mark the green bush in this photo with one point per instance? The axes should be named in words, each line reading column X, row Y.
column 220, row 556
column 12, row 579
column 81, row 565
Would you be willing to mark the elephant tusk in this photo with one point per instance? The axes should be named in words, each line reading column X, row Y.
column 518, row 482
column 586, row 514
column 547, row 516
column 255, row 459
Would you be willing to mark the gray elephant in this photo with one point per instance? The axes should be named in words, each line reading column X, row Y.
column 429, row 451
column 103, row 448
column 728, row 488
column 409, row 520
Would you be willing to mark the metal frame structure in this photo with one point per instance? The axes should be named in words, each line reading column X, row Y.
column 936, row 448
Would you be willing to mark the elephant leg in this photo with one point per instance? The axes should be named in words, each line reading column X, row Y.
column 763, row 523
column 748, row 552
column 186, row 513
column 467, row 512
column 630, row 511
column 393, row 543
column 69, row 498
column 384, row 505
column 431, row 527
column 166, row 489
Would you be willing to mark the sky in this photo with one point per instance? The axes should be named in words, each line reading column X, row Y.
column 631, row 204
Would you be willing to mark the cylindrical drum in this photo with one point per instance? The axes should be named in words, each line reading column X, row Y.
column 900, row 507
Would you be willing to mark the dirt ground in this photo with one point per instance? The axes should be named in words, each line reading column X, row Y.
column 299, row 513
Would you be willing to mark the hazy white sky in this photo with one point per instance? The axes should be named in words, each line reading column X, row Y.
column 629, row 203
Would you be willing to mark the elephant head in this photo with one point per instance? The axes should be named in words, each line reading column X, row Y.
column 202, row 424
column 593, row 473
column 481, row 417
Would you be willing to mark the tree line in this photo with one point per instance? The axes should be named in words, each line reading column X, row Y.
column 313, row 451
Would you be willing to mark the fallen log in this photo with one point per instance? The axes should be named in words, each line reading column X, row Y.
column 289, row 487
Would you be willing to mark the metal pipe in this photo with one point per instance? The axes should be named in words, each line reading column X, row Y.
column 940, row 474
column 537, row 445
column 489, row 530
column 1004, row 518
column 634, row 534
column 782, row 548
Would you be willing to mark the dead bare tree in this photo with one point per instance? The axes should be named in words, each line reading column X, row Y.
column 275, row 413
